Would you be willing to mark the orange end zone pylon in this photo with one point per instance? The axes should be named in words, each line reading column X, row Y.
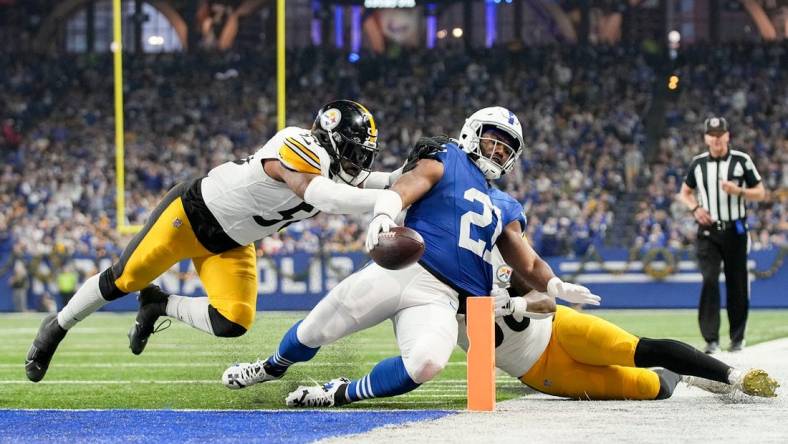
column 481, row 353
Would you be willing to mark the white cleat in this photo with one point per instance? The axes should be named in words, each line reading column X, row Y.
column 316, row 395
column 243, row 375
column 753, row 382
column 756, row 382
column 716, row 387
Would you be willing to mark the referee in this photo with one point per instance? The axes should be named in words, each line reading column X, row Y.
column 723, row 179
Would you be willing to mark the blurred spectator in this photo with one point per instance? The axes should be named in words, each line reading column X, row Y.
column 20, row 283
column 633, row 160
column 581, row 109
column 67, row 279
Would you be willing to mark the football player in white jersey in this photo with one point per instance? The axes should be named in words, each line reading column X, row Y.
column 580, row 356
column 214, row 220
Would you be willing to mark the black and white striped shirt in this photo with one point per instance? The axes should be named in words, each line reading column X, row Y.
column 706, row 175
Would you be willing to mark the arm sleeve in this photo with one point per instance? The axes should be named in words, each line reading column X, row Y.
column 336, row 198
column 379, row 180
column 751, row 175
column 690, row 179
column 298, row 156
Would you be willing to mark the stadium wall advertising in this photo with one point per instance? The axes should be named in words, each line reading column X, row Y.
column 297, row 281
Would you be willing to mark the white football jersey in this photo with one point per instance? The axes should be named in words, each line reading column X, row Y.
column 247, row 203
column 522, row 344
column 521, row 341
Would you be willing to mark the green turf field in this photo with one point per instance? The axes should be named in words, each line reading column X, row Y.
column 181, row 368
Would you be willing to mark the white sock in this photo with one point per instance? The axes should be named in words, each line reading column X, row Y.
column 192, row 311
column 84, row 302
column 735, row 376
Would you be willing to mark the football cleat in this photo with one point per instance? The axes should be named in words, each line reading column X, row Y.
column 757, row 382
column 44, row 345
column 317, row 395
column 243, row 375
column 711, row 386
column 153, row 303
column 753, row 382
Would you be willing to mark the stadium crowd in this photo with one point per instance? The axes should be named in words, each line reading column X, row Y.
column 758, row 113
column 582, row 109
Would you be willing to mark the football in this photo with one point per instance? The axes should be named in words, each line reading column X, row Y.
column 398, row 248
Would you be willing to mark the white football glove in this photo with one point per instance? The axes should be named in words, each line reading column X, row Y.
column 518, row 306
column 503, row 302
column 576, row 294
column 382, row 223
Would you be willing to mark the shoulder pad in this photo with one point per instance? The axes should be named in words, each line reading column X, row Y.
column 299, row 152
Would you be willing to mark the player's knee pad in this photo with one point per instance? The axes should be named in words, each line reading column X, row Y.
column 317, row 331
column 423, row 367
column 314, row 337
column 223, row 327
column 109, row 290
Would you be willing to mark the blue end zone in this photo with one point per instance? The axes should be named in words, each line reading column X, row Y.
column 195, row 426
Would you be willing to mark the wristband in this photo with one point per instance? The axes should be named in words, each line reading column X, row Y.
column 694, row 209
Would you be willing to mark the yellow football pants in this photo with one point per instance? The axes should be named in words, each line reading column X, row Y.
column 229, row 278
column 590, row 358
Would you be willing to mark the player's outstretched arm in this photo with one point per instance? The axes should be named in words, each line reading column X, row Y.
column 414, row 184
column 380, row 180
column 535, row 272
column 322, row 193
column 525, row 262
column 408, row 188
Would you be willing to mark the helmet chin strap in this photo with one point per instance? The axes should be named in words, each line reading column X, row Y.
column 490, row 169
column 343, row 177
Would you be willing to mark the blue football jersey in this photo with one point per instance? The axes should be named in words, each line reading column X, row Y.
column 460, row 219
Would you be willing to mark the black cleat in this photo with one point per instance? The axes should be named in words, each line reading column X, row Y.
column 153, row 303
column 44, row 345
column 668, row 381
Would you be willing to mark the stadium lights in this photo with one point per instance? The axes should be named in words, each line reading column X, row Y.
column 442, row 34
column 155, row 40
column 456, row 32
column 673, row 82
column 353, row 57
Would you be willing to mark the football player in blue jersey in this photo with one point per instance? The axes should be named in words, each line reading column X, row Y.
column 446, row 189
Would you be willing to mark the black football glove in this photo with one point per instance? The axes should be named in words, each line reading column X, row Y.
column 425, row 148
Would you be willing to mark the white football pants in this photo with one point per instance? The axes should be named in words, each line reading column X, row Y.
column 421, row 307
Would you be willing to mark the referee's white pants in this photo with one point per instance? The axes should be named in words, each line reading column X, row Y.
column 421, row 308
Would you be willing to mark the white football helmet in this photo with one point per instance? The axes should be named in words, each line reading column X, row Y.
column 495, row 117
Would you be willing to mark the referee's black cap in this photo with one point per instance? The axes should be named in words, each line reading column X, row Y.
column 715, row 126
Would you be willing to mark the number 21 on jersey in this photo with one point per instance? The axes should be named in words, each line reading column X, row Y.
column 479, row 246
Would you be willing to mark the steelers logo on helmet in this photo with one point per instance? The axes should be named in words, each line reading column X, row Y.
column 348, row 133
column 330, row 119
column 503, row 274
